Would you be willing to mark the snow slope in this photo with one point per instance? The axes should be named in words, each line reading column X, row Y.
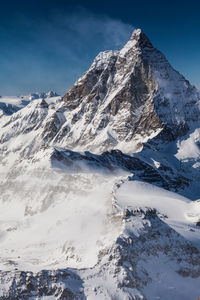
column 153, row 256
column 177, row 211
column 55, row 220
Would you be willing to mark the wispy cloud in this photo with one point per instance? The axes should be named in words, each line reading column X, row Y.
column 53, row 53
column 79, row 31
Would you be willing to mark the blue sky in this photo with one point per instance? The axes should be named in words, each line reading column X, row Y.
column 46, row 45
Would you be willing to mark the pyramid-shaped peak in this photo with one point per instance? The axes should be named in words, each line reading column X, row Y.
column 137, row 41
column 43, row 103
column 140, row 37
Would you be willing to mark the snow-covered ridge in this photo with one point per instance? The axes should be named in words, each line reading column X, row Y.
column 42, row 95
column 103, row 58
column 11, row 104
column 128, row 95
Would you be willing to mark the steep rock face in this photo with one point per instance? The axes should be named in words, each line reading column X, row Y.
column 129, row 95
column 126, row 98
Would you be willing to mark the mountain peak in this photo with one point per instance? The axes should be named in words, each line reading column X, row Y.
column 127, row 94
column 43, row 104
column 137, row 42
column 141, row 39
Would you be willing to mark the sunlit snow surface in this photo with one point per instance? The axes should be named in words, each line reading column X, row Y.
column 188, row 148
column 178, row 212
column 55, row 220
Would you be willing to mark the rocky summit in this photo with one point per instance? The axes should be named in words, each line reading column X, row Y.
column 129, row 96
column 100, row 188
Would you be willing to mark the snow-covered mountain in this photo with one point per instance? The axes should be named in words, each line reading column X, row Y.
column 10, row 105
column 127, row 97
column 99, row 189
